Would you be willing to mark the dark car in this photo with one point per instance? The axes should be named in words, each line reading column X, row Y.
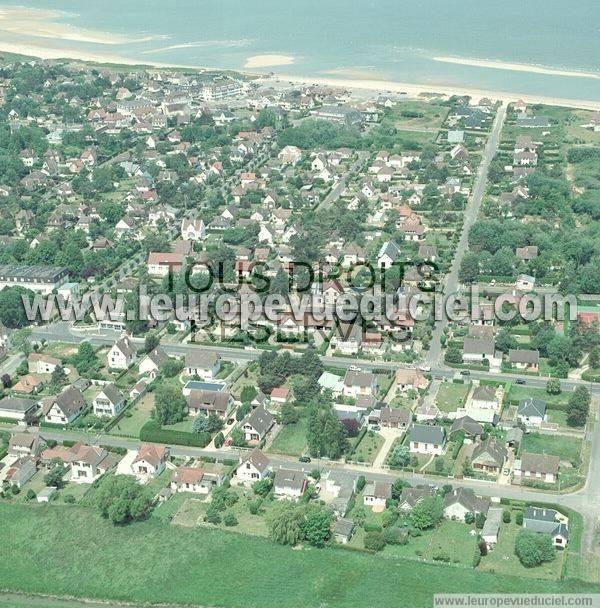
column 304, row 459
column 520, row 381
column 465, row 372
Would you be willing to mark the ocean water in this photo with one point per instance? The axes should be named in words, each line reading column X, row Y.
column 387, row 39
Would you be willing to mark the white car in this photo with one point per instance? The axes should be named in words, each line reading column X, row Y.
column 425, row 368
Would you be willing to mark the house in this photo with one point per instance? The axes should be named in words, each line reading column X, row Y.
column 150, row 461
column 289, row 483
column 395, row 418
column 290, row 155
column 461, row 501
column 150, row 365
column 64, row 408
column 528, row 253
column 39, row 363
column 525, row 282
column 161, row 264
column 203, row 363
column 20, row 472
column 205, row 402
column 280, row 394
column 488, row 456
column 340, row 488
column 485, row 397
column 411, row 496
column 471, row 428
column 427, row 439
column 197, row 480
column 547, row 521
column 108, row 402
column 531, row 412
column 407, row 379
column 192, row 230
column 537, row 466
column 327, row 381
column 122, row 354
column 491, row 526
column 358, row 383
column 17, row 408
column 343, row 530
column 388, row 254
column 27, row 384
column 25, row 444
column 45, row 494
column 477, row 349
column 89, row 462
column 376, row 494
column 524, row 358
column 347, row 338
column 253, row 468
column 257, row 424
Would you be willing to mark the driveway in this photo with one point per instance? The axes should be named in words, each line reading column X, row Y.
column 389, row 436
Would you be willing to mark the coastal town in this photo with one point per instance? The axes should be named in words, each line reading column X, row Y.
column 468, row 442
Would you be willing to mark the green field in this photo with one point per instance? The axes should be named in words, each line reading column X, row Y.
column 291, row 440
column 518, row 392
column 451, row 396
column 73, row 551
column 368, row 448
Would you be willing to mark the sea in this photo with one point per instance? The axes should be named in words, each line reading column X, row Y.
column 394, row 40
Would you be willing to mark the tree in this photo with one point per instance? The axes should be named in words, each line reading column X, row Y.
column 480, row 520
column 533, row 548
column 85, row 360
column 6, row 380
column 169, row 404
column 285, row 523
column 121, row 499
column 171, row 367
column 427, row 513
column 262, row 487
column 58, row 378
column 54, row 477
column 553, row 386
column 151, row 342
column 453, row 355
column 399, row 456
column 12, row 311
column 238, row 439
column 374, row 541
column 594, row 359
column 505, row 341
column 469, row 267
column 578, row 406
column 289, row 414
column 397, row 488
column 506, row 516
column 207, row 424
column 316, row 527
column 219, row 440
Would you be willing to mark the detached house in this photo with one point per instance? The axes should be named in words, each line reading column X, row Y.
column 206, row 402
column 89, row 462
column 289, row 483
column 192, row 230
column 25, row 444
column 203, row 363
column 488, row 456
column 150, row 461
column 427, row 439
column 153, row 361
column 537, row 466
column 122, row 354
column 462, row 501
column 395, row 418
column 197, row 480
column 376, row 494
column 253, row 468
column 359, row 383
column 547, row 521
column 39, row 363
column 64, row 408
column 257, row 424
column 108, row 402
column 524, row 359
column 531, row 412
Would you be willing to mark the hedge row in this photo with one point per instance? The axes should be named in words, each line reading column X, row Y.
column 154, row 433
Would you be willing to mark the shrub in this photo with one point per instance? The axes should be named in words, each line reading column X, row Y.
column 230, row 519
column 534, row 549
column 440, row 556
column 519, row 518
column 219, row 440
column 360, row 483
column 31, row 495
column 152, row 432
column 506, row 516
column 69, row 499
column 374, row 541
column 396, row 536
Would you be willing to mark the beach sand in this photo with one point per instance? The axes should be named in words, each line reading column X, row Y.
column 268, row 61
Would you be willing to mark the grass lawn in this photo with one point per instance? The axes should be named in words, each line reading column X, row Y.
column 518, row 392
column 48, row 544
column 451, row 396
column 291, row 440
column 185, row 425
column 565, row 447
column 368, row 448
column 135, row 418
column 502, row 559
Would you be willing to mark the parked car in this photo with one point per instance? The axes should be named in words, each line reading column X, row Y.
column 465, row 372
column 520, row 381
column 304, row 459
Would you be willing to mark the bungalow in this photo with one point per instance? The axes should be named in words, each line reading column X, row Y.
column 427, row 439
column 470, row 427
column 547, row 521
column 289, row 483
column 411, row 496
column 462, row 501
column 531, row 412
column 477, row 349
column 39, row 363
column 122, row 354
column 108, row 402
column 343, row 530
column 257, row 424
column 206, row 402
column 488, row 456
column 253, row 468
column 537, row 466
column 17, row 408
column 203, row 363
column 524, row 358
column 89, row 462
column 64, row 408
column 395, row 418
column 197, row 480
column 359, row 383
column 407, row 379
column 280, row 394
column 27, row 384
column 376, row 494
column 150, row 461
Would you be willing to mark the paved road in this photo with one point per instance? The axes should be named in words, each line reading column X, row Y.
column 471, row 212
column 340, row 187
